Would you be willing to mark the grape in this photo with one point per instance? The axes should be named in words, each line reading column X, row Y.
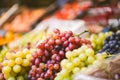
column 6, row 69
column 51, row 51
column 9, row 56
column 90, row 59
column 98, row 40
column 20, row 78
column 89, row 52
column 5, row 63
column 17, row 64
column 69, row 66
column 3, row 53
column 18, row 60
column 63, row 62
column 76, row 61
column 11, row 63
column 11, row 78
column 111, row 44
column 76, row 70
column 17, row 68
column 84, row 57
column 20, row 54
column 28, row 56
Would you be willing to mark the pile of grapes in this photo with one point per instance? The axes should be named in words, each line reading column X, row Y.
column 59, row 56
column 112, row 44
column 16, row 65
column 45, row 62
column 97, row 40
column 77, row 60
column 3, row 53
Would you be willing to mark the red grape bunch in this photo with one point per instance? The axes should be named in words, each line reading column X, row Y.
column 45, row 62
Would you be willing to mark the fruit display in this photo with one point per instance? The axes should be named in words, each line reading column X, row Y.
column 80, row 41
column 45, row 62
column 57, row 56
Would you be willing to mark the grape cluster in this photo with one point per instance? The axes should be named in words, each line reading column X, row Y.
column 97, row 40
column 3, row 53
column 45, row 63
column 77, row 61
column 111, row 44
column 16, row 64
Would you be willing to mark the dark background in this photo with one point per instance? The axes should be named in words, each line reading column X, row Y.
column 29, row 3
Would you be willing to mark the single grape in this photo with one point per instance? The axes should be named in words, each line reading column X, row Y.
column 11, row 78
column 18, row 60
column 17, row 68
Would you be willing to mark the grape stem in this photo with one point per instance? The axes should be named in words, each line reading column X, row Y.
column 81, row 33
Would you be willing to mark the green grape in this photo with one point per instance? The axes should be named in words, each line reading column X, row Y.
column 6, row 69
column 76, row 61
column 69, row 55
column 83, row 57
column 90, row 59
column 89, row 52
column 17, row 68
column 69, row 66
column 18, row 60
column 75, row 53
column 64, row 62
column 84, row 48
column 28, row 56
column 25, row 62
column 76, row 70
column 11, row 78
column 5, row 62
column 20, row 54
column 58, row 78
column 25, row 52
column 11, row 63
column 67, row 78
column 3, row 53
column 7, row 75
column 20, row 78
column 64, row 73
column 80, row 50
column 9, row 56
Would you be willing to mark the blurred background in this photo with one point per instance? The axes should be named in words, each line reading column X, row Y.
column 22, row 16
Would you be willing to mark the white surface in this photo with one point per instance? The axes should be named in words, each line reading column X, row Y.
column 77, row 26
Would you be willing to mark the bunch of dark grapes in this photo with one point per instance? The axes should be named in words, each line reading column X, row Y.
column 112, row 44
column 45, row 62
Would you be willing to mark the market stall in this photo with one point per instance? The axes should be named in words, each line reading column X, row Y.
column 60, row 40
